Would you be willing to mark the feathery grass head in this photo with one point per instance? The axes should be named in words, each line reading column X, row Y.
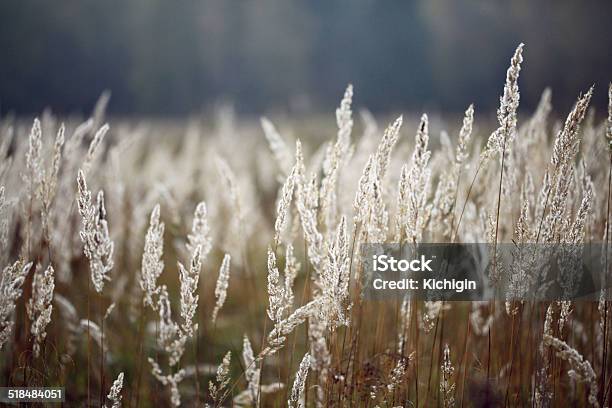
column 502, row 138
column 152, row 263
column 11, row 281
column 114, row 395
column 222, row 285
column 251, row 372
column 284, row 202
column 39, row 307
column 217, row 391
column 386, row 145
column 279, row 148
column 296, row 399
column 94, row 148
column 200, row 232
column 344, row 119
column 34, row 157
column 97, row 245
column 567, row 141
column 580, row 369
column 276, row 291
column 189, row 287
column 464, row 135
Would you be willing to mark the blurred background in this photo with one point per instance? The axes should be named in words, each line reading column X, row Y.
column 175, row 58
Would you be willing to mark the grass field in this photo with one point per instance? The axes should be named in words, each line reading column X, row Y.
column 217, row 263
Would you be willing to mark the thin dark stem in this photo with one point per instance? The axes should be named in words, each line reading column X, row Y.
column 140, row 353
column 467, row 197
column 88, row 342
column 356, row 230
column 196, row 345
column 431, row 360
column 464, row 359
column 416, row 360
column 511, row 359
column 605, row 286
column 501, row 179
column 101, row 349
column 488, row 361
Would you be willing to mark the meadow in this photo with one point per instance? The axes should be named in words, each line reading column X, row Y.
column 217, row 262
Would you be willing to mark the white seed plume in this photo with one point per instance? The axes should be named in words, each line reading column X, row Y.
column 296, row 400
column 97, row 245
column 344, row 119
column 284, row 202
column 39, row 306
column 386, row 145
column 555, row 188
column 251, row 371
column 567, row 141
column 334, row 281
column 278, row 334
column 361, row 204
column 189, row 286
column 398, row 373
column 73, row 144
column 217, row 391
column 414, row 187
column 335, row 157
column 292, row 267
column 464, row 135
column 543, row 394
column 11, row 281
column 171, row 380
column 231, row 187
column 320, row 356
column 222, row 285
column 369, row 206
column 170, row 337
column 94, row 147
column 565, row 311
column 501, row 139
column 580, row 369
column 279, row 148
column 49, row 181
column 152, row 263
column 200, row 232
column 329, row 185
column 109, row 310
column 34, row 158
column 377, row 225
column 276, row 292
column 251, row 396
column 306, row 203
column 115, row 392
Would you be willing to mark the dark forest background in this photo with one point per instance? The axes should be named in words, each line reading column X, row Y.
column 162, row 57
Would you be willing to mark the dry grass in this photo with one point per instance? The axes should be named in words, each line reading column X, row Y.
column 148, row 310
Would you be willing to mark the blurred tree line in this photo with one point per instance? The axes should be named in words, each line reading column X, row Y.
column 174, row 57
